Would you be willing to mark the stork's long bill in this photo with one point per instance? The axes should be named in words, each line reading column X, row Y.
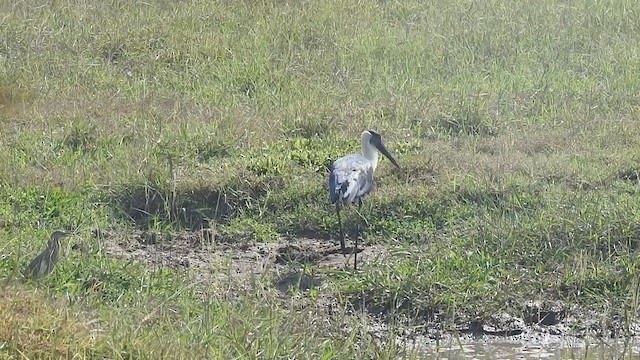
column 377, row 142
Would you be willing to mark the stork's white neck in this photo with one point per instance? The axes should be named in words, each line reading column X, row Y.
column 369, row 151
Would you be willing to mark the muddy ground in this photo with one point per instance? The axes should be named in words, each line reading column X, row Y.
column 544, row 329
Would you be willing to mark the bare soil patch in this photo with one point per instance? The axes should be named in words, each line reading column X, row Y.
column 202, row 252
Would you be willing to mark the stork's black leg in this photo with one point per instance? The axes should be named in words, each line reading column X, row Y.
column 342, row 246
column 355, row 250
column 364, row 219
column 361, row 226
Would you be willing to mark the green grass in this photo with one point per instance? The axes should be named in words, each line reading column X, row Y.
column 516, row 126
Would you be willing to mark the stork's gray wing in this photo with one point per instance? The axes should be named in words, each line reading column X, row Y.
column 351, row 178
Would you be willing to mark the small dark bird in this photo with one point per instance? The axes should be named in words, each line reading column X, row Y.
column 43, row 264
column 351, row 178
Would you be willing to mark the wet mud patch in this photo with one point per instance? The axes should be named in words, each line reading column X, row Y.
column 506, row 336
column 535, row 318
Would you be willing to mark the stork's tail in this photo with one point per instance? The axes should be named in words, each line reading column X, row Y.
column 343, row 194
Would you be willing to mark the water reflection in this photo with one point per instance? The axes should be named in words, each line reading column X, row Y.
column 550, row 348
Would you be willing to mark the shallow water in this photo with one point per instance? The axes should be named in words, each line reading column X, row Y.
column 551, row 348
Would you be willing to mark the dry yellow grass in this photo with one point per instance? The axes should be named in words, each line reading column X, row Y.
column 34, row 325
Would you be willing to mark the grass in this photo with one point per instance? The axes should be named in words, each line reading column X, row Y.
column 515, row 125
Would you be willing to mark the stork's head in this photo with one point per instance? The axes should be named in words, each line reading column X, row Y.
column 371, row 141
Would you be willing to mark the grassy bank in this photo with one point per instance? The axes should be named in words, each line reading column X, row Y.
column 211, row 123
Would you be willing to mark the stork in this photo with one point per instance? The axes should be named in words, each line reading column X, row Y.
column 351, row 178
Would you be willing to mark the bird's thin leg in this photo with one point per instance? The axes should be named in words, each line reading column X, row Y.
column 342, row 246
column 360, row 230
column 360, row 202
column 355, row 251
